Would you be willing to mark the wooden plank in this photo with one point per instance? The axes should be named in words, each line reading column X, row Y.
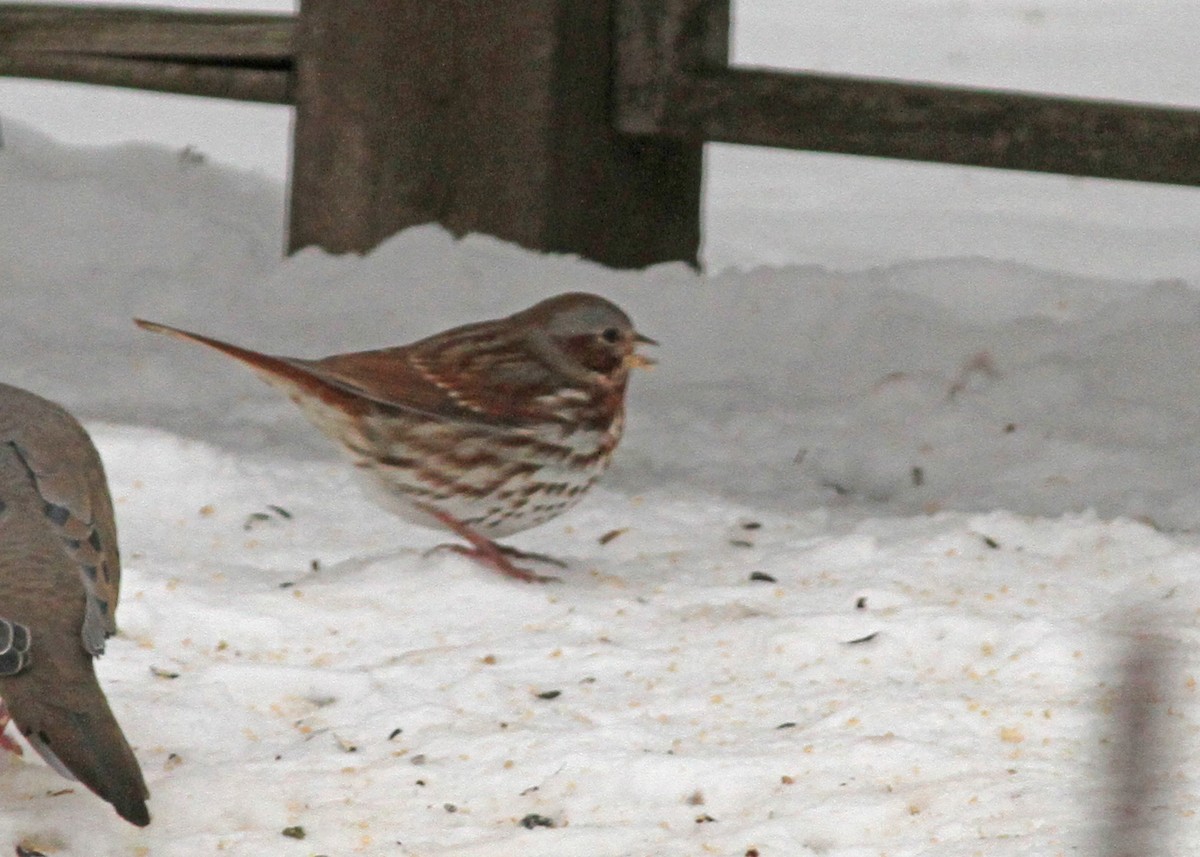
column 243, row 84
column 666, row 88
column 660, row 44
column 243, row 57
column 485, row 117
column 144, row 33
column 1005, row 130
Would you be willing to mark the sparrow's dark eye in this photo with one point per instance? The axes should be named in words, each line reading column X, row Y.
column 610, row 334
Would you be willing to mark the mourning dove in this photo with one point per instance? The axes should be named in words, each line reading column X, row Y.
column 59, row 575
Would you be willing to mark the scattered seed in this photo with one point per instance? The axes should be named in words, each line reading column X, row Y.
column 751, row 525
column 549, row 694
column 1010, row 428
column 918, row 477
column 787, row 724
column 533, row 820
column 449, row 807
column 612, row 534
column 159, row 672
column 741, row 543
column 258, row 517
column 861, row 603
column 704, row 819
column 762, row 577
column 190, row 156
column 255, row 518
column 287, row 584
column 314, row 565
column 990, row 542
column 865, row 639
column 420, row 782
column 344, row 745
column 27, row 851
column 418, row 759
column 392, row 735
column 979, row 364
column 696, row 798
column 751, row 852
column 294, row 832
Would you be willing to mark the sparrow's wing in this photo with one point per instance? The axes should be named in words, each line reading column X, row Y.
column 479, row 373
column 447, row 377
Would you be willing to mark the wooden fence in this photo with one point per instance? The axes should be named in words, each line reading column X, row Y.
column 563, row 125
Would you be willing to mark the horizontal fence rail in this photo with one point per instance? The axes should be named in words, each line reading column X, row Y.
column 565, row 125
column 668, row 85
column 218, row 54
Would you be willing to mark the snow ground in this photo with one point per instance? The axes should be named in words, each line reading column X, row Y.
column 971, row 475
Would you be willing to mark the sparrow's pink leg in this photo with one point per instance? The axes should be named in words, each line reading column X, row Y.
column 484, row 550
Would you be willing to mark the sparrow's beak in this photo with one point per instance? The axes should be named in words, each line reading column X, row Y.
column 640, row 361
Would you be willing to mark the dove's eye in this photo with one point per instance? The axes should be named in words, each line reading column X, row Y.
column 611, row 335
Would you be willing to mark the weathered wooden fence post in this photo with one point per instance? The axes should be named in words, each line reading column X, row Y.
column 489, row 117
column 564, row 125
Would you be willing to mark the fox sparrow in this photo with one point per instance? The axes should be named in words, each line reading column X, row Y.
column 486, row 429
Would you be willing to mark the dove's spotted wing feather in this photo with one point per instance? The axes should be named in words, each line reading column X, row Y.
column 75, row 500
column 55, row 526
column 14, row 647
